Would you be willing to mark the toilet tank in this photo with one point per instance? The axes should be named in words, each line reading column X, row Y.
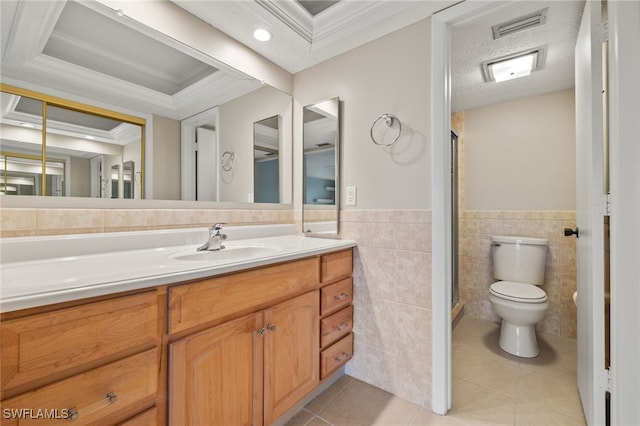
column 519, row 259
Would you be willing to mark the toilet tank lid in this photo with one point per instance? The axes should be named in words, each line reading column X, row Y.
column 520, row 240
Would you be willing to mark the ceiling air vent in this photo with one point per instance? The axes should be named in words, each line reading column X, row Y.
column 519, row 24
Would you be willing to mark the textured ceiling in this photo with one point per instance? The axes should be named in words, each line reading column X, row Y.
column 473, row 44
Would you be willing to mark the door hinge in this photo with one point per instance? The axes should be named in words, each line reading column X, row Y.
column 604, row 204
column 607, row 380
column 602, row 32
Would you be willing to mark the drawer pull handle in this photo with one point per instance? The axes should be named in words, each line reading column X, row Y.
column 271, row 327
column 343, row 325
column 112, row 397
column 341, row 297
column 72, row 414
column 342, row 357
column 261, row 331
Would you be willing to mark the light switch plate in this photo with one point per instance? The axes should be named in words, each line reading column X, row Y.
column 351, row 196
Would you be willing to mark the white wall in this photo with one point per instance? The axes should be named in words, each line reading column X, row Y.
column 388, row 75
column 392, row 221
column 236, row 120
column 520, row 155
column 166, row 158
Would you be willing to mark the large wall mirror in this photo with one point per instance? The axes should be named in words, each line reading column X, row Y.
column 321, row 165
column 192, row 116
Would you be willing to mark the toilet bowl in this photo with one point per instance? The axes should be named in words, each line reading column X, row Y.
column 519, row 266
column 520, row 306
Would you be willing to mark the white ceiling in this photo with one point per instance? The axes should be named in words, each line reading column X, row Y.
column 473, row 44
column 85, row 49
column 301, row 40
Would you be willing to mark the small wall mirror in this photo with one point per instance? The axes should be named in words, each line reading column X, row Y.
column 266, row 160
column 321, row 139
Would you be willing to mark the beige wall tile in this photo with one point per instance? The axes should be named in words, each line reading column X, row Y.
column 66, row 220
column 475, row 266
column 414, row 277
column 17, row 222
column 413, row 237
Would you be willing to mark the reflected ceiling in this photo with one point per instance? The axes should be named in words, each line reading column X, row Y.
column 90, row 50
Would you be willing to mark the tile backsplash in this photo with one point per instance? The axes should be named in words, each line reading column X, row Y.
column 25, row 222
column 392, row 300
column 476, row 269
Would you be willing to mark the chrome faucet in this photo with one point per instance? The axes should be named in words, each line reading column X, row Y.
column 216, row 237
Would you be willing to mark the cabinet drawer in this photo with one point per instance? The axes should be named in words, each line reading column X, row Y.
column 45, row 346
column 336, row 296
column 335, row 326
column 336, row 356
column 148, row 418
column 221, row 298
column 106, row 395
column 336, row 266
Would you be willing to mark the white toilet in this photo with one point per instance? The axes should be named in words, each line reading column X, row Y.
column 518, row 262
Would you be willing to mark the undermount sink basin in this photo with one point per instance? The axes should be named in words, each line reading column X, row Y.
column 227, row 254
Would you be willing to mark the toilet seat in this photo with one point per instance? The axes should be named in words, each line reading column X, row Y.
column 518, row 292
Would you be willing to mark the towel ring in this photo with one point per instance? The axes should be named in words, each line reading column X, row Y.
column 227, row 161
column 389, row 120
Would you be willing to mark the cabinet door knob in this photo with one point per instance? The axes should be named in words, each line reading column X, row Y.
column 341, row 357
column 112, row 397
column 343, row 325
column 72, row 414
column 271, row 327
column 341, row 297
column 261, row 331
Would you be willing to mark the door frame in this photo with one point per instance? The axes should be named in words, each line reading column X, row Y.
column 624, row 149
column 441, row 24
column 188, row 128
column 624, row 102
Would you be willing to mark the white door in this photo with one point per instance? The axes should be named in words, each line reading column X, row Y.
column 590, row 211
column 206, row 165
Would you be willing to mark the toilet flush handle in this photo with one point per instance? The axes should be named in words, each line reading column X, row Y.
column 569, row 232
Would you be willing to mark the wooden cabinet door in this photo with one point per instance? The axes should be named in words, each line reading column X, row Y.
column 291, row 353
column 216, row 375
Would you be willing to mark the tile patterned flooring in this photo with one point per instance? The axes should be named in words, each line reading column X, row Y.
column 490, row 387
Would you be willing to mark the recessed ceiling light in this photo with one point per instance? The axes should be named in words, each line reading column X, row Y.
column 27, row 125
column 261, row 34
column 89, row 137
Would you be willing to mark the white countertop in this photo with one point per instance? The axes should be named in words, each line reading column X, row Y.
column 37, row 271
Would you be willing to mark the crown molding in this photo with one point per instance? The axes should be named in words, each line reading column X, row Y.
column 294, row 16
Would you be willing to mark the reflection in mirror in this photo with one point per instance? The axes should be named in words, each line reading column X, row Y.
column 128, row 176
column 266, row 160
column 115, row 181
column 321, row 136
column 78, row 147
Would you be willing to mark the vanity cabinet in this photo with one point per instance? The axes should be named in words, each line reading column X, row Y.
column 250, row 369
column 240, row 348
column 336, row 311
column 94, row 362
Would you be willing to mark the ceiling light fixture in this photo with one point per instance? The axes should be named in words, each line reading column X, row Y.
column 513, row 66
column 261, row 34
